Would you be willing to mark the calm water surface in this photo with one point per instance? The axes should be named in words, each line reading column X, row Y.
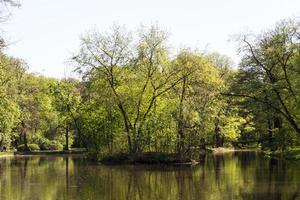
column 243, row 175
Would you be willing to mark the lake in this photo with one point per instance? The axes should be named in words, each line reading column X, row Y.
column 236, row 175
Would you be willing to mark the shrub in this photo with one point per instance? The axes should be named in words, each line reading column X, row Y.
column 32, row 147
column 142, row 158
column 51, row 145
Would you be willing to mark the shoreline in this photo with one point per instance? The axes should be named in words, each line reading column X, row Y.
column 6, row 154
column 41, row 153
column 152, row 158
column 221, row 150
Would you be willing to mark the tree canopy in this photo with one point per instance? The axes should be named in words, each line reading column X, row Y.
column 135, row 96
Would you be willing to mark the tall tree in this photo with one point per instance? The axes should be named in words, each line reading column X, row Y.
column 137, row 74
column 269, row 75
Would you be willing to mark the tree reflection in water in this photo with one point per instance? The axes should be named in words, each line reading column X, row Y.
column 244, row 175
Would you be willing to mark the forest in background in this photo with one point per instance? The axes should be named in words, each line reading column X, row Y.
column 135, row 95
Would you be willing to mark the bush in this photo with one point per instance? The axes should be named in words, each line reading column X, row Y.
column 32, row 147
column 142, row 158
column 51, row 145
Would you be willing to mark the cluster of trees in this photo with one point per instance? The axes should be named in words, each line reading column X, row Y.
column 136, row 96
column 140, row 98
column 149, row 100
column 34, row 110
column 267, row 84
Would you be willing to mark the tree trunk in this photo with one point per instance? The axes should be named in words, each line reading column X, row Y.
column 288, row 115
column 67, row 137
column 270, row 133
column 219, row 140
column 278, row 125
column 23, row 133
column 26, row 148
column 181, row 134
column 1, row 145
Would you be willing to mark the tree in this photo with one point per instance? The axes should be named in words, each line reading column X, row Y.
column 5, row 6
column 268, row 75
column 137, row 75
column 11, row 72
column 67, row 100
column 195, row 92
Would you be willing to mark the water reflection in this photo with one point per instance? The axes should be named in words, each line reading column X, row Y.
column 244, row 175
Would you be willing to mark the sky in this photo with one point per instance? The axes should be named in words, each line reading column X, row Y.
column 46, row 33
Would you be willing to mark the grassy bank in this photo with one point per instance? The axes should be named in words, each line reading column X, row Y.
column 6, row 154
column 43, row 153
column 230, row 149
column 52, row 152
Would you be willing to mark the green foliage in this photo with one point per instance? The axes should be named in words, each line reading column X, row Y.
column 9, row 118
column 289, row 154
column 267, row 84
column 50, row 145
column 136, row 96
column 32, row 147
